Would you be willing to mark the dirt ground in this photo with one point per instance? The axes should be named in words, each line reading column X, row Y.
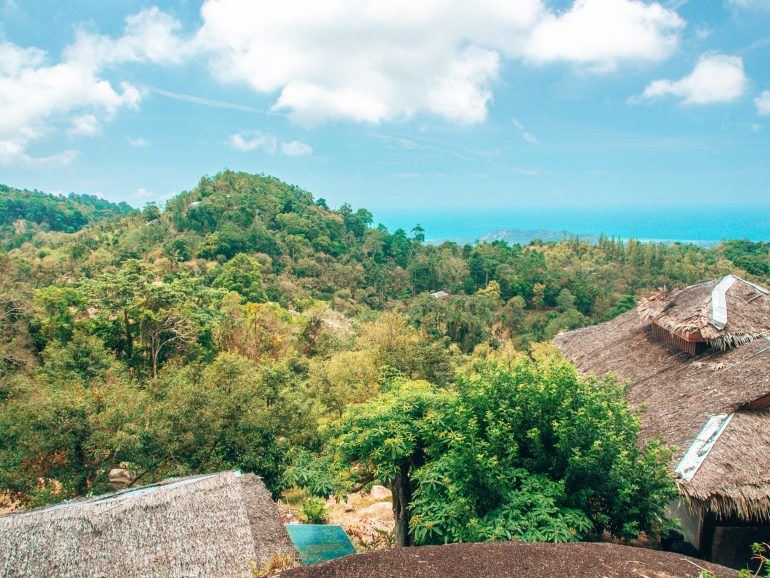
column 368, row 522
column 514, row 560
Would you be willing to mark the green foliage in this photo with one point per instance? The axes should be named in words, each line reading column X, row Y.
column 314, row 511
column 222, row 330
column 316, row 474
column 625, row 303
column 242, row 275
column 532, row 453
column 50, row 212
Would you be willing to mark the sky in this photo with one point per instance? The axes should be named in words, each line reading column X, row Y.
column 436, row 104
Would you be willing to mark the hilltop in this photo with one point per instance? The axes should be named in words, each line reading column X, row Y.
column 24, row 213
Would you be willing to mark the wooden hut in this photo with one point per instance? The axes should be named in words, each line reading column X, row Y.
column 212, row 525
column 698, row 363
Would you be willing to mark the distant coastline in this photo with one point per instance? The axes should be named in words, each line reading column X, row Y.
column 526, row 236
column 703, row 225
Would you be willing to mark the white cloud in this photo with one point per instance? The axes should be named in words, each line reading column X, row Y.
column 37, row 95
column 296, row 148
column 149, row 36
column 268, row 143
column 12, row 154
column 358, row 60
column 254, row 140
column 372, row 61
column 142, row 193
column 762, row 103
column 138, row 142
column 527, row 136
column 601, row 34
column 85, row 125
column 716, row 78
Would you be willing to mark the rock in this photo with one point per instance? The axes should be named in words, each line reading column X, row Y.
column 380, row 510
column 349, row 508
column 380, row 493
column 120, row 478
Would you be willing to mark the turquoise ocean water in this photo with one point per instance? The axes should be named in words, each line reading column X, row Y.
column 670, row 223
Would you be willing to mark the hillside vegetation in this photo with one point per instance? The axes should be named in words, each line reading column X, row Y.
column 24, row 213
column 248, row 325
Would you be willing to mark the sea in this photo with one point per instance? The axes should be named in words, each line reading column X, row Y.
column 699, row 224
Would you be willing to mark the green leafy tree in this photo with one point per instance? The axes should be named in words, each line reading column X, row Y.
column 242, row 275
column 531, row 453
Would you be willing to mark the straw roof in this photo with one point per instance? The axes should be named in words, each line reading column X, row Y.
column 211, row 525
column 679, row 393
column 694, row 311
column 732, row 479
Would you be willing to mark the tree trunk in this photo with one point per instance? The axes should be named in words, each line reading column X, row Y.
column 402, row 495
column 129, row 339
column 154, row 363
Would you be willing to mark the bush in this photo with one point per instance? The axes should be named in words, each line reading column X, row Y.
column 314, row 511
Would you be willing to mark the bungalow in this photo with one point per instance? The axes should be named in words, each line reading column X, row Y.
column 212, row 525
column 697, row 360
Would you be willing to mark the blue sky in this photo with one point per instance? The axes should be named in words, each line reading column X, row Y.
column 391, row 105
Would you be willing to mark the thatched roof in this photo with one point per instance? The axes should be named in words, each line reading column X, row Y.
column 732, row 478
column 723, row 312
column 211, row 525
column 679, row 393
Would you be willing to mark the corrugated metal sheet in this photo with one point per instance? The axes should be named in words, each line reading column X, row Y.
column 700, row 448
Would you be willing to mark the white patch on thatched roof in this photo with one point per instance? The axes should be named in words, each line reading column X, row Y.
column 700, row 448
column 719, row 302
column 212, row 525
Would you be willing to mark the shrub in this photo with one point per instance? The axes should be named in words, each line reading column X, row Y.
column 314, row 511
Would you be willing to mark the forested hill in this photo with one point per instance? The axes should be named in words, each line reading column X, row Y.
column 308, row 251
column 221, row 331
column 24, row 213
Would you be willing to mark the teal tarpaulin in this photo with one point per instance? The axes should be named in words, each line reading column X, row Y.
column 318, row 543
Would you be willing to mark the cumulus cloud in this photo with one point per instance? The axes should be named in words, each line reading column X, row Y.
column 85, row 125
column 268, row 143
column 296, row 148
column 762, row 103
column 372, row 61
column 254, row 140
column 716, row 78
column 138, row 142
column 37, row 95
column 149, row 36
column 13, row 154
column 601, row 34
column 357, row 60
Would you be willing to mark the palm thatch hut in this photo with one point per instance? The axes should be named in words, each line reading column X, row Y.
column 211, row 525
column 698, row 363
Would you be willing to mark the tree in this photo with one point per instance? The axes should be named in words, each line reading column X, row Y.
column 565, row 300
column 242, row 275
column 625, row 303
column 64, row 426
column 514, row 313
column 121, row 293
column 387, row 437
column 418, row 233
column 531, row 453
